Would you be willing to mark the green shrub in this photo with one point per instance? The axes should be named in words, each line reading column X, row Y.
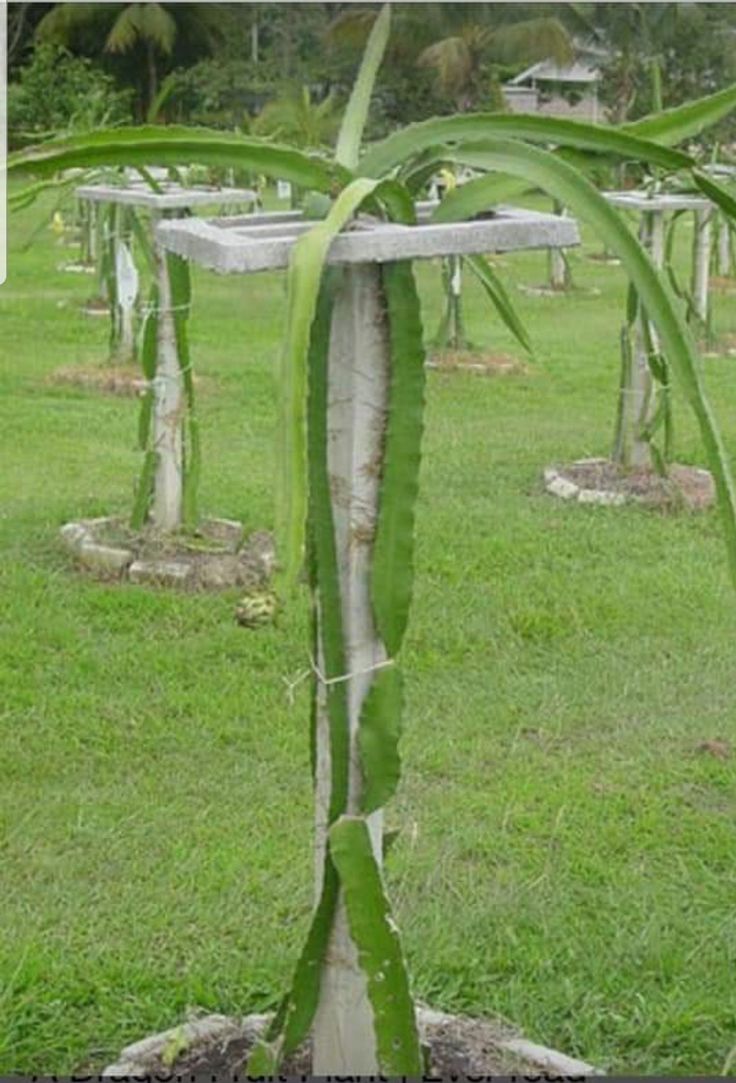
column 57, row 92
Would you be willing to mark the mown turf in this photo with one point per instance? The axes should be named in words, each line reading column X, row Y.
column 567, row 852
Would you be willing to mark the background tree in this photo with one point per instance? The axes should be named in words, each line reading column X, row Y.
column 294, row 117
column 661, row 55
column 462, row 61
column 150, row 34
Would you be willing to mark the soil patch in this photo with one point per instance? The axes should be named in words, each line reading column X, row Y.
column 77, row 267
column 214, row 557
column 109, row 378
column 546, row 290
column 604, row 258
column 96, row 306
column 599, row 481
column 488, row 364
column 721, row 345
column 722, row 284
column 218, row 1047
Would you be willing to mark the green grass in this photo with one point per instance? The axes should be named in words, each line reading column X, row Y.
column 566, row 855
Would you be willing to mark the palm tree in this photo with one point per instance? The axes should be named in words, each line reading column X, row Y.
column 296, row 119
column 461, row 58
column 639, row 35
column 149, row 28
column 463, row 44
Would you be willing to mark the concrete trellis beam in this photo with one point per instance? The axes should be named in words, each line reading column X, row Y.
column 243, row 246
column 659, row 205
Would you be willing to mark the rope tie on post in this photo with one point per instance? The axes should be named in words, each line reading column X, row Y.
column 292, row 685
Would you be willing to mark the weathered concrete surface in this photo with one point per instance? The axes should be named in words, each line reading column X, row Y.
column 664, row 202
column 227, row 532
column 601, row 482
column 168, row 573
column 246, row 246
column 105, row 558
column 218, row 558
column 80, row 539
column 172, row 197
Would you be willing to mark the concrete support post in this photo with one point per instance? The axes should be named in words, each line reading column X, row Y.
column 358, row 381
column 556, row 260
column 169, row 409
column 724, row 247
column 126, row 292
column 701, row 261
column 639, row 390
column 456, row 334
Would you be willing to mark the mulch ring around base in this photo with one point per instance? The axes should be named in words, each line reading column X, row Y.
column 77, row 267
column 214, row 557
column 488, row 364
column 108, row 378
column 600, row 481
column 218, row 1047
column 547, row 290
column 721, row 346
column 95, row 306
column 722, row 284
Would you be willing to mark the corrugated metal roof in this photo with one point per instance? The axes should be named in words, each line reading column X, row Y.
column 549, row 71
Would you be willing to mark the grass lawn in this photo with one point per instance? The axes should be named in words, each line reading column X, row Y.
column 566, row 858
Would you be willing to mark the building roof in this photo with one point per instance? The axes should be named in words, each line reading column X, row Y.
column 580, row 71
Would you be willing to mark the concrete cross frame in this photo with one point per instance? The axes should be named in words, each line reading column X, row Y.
column 638, row 402
column 658, row 206
column 168, row 413
column 358, row 394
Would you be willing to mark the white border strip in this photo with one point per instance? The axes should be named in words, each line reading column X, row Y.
column 3, row 140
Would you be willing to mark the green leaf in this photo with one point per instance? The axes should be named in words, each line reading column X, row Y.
column 499, row 297
column 181, row 298
column 717, row 193
column 178, row 146
column 263, row 1061
column 420, row 170
column 324, row 577
column 567, row 185
column 392, row 576
column 150, row 335
column 379, row 949
column 401, row 146
column 356, row 111
column 148, row 363
column 144, row 419
column 144, row 491
column 304, row 276
column 379, row 734
column 144, row 241
column 17, row 201
column 684, row 121
column 295, row 1017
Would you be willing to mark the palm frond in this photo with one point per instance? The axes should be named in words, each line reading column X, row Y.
column 60, row 24
column 148, row 22
column 452, row 61
column 531, row 40
column 351, row 27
